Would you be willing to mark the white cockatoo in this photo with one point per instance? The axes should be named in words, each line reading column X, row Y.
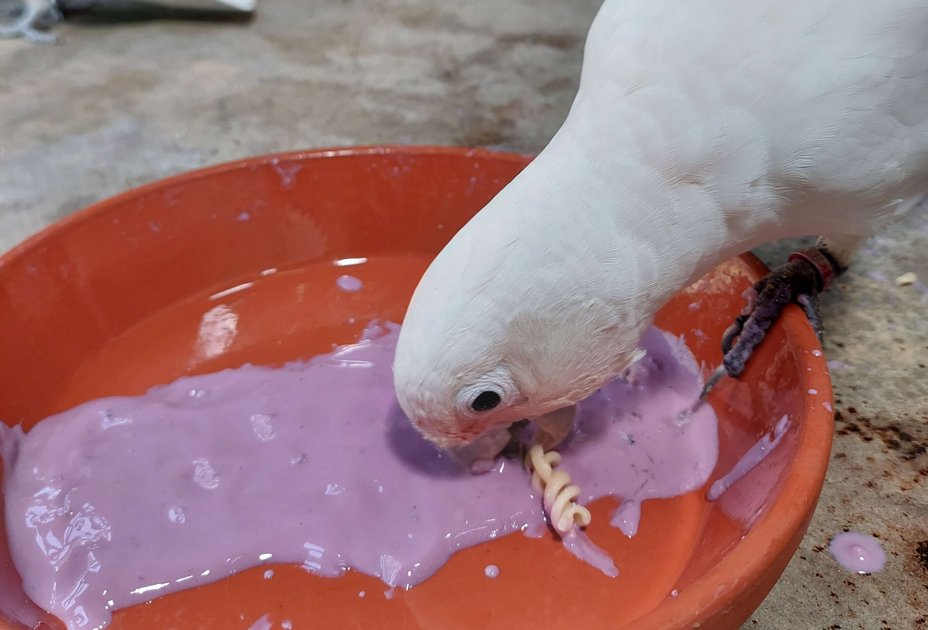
column 700, row 130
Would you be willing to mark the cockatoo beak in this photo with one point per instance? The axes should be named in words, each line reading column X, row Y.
column 550, row 430
column 480, row 454
column 553, row 427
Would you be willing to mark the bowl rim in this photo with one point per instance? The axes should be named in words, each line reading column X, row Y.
column 787, row 518
column 98, row 207
column 743, row 567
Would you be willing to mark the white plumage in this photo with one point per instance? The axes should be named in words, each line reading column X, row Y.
column 700, row 130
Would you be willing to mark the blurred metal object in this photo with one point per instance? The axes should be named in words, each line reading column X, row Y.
column 166, row 5
column 31, row 19
column 34, row 19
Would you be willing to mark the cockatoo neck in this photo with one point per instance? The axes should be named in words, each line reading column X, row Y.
column 652, row 234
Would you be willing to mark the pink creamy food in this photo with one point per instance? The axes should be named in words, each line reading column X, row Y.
column 121, row 500
column 858, row 553
column 348, row 283
column 750, row 460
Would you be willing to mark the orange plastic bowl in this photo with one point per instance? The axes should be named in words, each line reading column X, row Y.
column 110, row 300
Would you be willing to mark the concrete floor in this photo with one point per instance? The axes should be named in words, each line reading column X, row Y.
column 115, row 105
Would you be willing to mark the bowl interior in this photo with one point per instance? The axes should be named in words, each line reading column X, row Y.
column 135, row 291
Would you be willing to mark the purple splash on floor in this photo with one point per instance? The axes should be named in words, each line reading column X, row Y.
column 858, row 553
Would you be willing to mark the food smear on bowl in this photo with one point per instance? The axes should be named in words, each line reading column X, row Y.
column 121, row 500
column 350, row 284
column 858, row 553
column 750, row 460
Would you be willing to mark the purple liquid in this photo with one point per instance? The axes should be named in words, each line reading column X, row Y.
column 348, row 283
column 627, row 517
column 121, row 500
column 858, row 552
column 750, row 460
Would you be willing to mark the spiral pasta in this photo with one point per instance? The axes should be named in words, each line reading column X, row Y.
column 559, row 494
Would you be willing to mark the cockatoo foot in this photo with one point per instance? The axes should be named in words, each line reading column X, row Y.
column 799, row 281
column 810, row 306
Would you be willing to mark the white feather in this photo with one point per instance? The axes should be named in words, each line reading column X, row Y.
column 700, row 130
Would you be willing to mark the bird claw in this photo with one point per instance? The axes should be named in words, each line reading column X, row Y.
column 714, row 378
column 809, row 303
column 799, row 281
column 733, row 331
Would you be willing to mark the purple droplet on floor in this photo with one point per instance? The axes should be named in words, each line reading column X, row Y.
column 858, row 552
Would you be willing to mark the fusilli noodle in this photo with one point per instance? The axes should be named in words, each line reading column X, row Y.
column 559, row 494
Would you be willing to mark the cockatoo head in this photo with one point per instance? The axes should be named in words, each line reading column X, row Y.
column 455, row 375
column 500, row 330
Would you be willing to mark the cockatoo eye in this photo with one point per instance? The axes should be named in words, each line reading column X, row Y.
column 486, row 400
column 492, row 390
